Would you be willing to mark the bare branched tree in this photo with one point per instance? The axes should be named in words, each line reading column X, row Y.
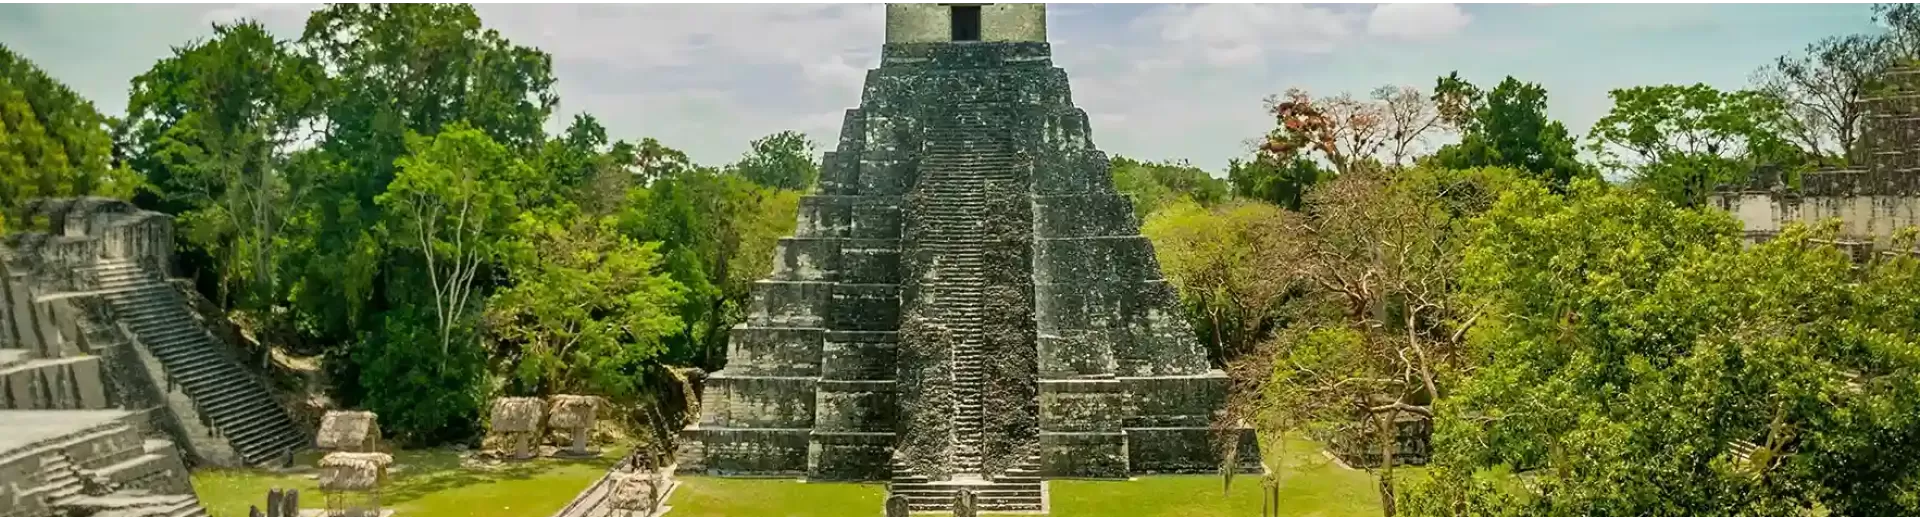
column 1821, row 89
column 1411, row 117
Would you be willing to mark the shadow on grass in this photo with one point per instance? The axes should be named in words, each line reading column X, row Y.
column 427, row 472
column 422, row 482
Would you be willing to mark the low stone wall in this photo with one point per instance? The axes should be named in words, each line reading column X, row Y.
column 1107, row 428
column 744, row 452
column 1357, row 446
column 81, row 231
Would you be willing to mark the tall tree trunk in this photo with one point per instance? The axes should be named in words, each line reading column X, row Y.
column 1384, row 421
column 1219, row 345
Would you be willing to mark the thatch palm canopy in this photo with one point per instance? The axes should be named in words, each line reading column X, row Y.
column 572, row 411
column 517, row 414
column 353, row 471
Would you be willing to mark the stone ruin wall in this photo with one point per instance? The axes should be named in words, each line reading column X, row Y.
column 1873, row 201
column 74, row 361
column 79, row 231
column 45, row 310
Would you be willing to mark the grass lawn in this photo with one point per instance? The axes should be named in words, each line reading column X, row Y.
column 434, row 483
column 1311, row 485
column 424, row 483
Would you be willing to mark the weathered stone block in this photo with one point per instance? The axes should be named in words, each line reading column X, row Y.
column 1075, row 173
column 780, row 352
column 1161, row 340
column 1089, row 405
column 884, row 172
column 779, row 303
column 1185, row 450
column 759, row 402
column 846, row 358
column 1084, row 455
column 867, row 406
column 866, row 306
column 806, row 259
column 1083, row 262
column 849, row 455
column 724, row 451
column 1187, row 401
column 877, row 218
column 870, row 261
column 1067, row 129
column 1084, row 215
column 1076, row 353
column 824, row 216
column 1358, row 443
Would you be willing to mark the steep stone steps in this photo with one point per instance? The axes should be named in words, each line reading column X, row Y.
column 1020, row 489
column 966, row 160
column 237, row 404
column 137, row 505
column 62, row 479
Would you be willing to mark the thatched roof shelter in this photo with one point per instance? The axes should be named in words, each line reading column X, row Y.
column 572, row 411
column 517, row 414
column 635, row 492
column 353, row 471
column 349, row 431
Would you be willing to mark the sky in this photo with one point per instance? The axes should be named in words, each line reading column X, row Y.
column 1160, row 82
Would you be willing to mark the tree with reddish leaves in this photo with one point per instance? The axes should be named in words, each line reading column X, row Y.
column 1343, row 130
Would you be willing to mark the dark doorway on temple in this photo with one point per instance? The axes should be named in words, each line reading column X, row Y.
column 966, row 22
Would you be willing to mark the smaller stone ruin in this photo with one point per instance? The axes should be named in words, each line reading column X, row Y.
column 897, row 506
column 352, row 482
column 1875, row 197
column 639, row 494
column 574, row 414
column 518, row 420
column 279, row 504
column 349, row 431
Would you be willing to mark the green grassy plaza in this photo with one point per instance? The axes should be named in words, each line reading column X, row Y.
column 439, row 483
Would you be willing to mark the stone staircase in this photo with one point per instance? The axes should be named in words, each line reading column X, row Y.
column 1020, row 489
column 62, row 479
column 969, row 159
column 235, row 403
column 63, row 487
column 137, row 506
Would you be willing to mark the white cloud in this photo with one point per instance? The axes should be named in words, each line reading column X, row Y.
column 703, row 78
column 1416, row 22
column 1229, row 35
column 711, row 35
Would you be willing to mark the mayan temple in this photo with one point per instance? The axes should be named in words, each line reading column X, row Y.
column 1874, row 199
column 966, row 302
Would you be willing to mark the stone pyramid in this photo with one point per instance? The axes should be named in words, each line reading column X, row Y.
column 966, row 297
